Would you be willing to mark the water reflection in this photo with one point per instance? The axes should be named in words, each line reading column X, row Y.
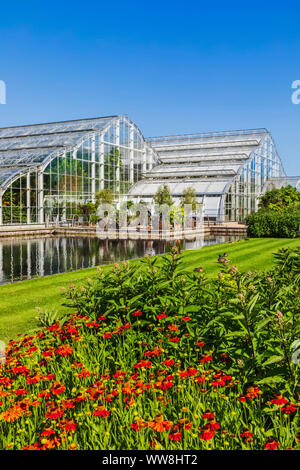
column 26, row 258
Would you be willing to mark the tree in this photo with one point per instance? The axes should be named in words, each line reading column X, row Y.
column 280, row 199
column 163, row 196
column 87, row 209
column 105, row 196
column 189, row 197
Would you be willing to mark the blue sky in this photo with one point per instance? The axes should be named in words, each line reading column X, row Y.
column 173, row 67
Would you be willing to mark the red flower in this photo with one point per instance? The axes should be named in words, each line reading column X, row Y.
column 20, row 370
column 290, row 408
column 68, row 425
column 54, row 414
column 247, row 435
column 161, row 316
column 107, row 335
column 139, row 424
column 168, row 362
column 200, row 344
column 49, row 377
column 20, row 391
column 213, row 425
column 57, row 388
column 175, row 436
column 142, row 363
column 208, row 415
column 92, row 324
column 47, row 353
column 279, row 400
column 155, row 352
column 136, row 314
column 102, row 318
column 174, row 339
column 54, row 327
column 186, row 318
column 101, row 411
column 206, row 358
column 207, row 434
column 218, row 383
column 47, row 432
column 271, row 444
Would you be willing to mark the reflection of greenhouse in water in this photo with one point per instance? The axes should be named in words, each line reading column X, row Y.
column 27, row 258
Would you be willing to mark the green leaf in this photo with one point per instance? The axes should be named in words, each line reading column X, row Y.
column 192, row 308
column 262, row 324
column 271, row 380
column 273, row 360
column 236, row 333
column 252, row 303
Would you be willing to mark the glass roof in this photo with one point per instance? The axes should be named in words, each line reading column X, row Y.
column 56, row 127
column 28, row 146
column 25, row 157
column 7, row 173
column 147, row 188
column 208, row 162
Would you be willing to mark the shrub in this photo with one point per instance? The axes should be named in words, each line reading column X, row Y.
column 280, row 199
column 156, row 358
column 270, row 223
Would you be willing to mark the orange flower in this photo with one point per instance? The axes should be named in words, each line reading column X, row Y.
column 253, row 392
column 12, row 413
column 139, row 424
column 73, row 446
column 155, row 352
column 173, row 327
column 64, row 350
column 50, row 443
column 159, row 424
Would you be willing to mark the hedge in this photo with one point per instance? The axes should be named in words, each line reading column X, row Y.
column 268, row 223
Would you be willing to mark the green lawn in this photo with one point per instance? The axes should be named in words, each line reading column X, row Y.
column 18, row 300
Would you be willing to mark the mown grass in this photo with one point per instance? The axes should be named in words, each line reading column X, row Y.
column 18, row 300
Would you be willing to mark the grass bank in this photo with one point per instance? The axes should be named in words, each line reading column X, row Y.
column 18, row 300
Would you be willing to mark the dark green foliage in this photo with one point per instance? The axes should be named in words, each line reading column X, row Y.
column 249, row 321
column 271, row 223
column 280, row 199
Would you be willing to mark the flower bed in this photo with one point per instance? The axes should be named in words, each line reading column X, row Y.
column 156, row 358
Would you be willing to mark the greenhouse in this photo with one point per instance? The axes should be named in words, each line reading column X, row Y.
column 228, row 170
column 48, row 170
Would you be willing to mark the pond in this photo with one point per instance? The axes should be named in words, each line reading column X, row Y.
column 27, row 258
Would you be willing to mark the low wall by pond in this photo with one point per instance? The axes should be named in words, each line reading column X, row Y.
column 229, row 228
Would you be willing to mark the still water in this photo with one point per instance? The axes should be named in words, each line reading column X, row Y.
column 27, row 258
